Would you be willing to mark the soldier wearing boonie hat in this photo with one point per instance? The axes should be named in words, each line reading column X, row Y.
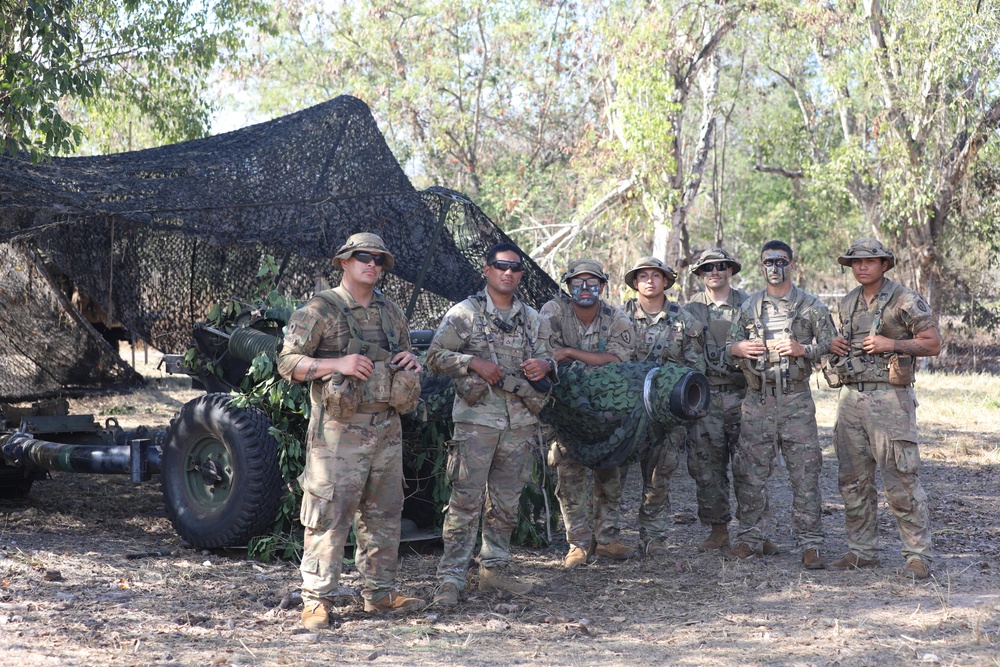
column 714, row 438
column 588, row 330
column 885, row 326
column 352, row 344
column 666, row 332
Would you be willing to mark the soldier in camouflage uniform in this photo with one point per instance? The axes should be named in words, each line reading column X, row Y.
column 343, row 341
column 714, row 438
column 779, row 333
column 665, row 332
column 587, row 330
column 885, row 326
column 492, row 345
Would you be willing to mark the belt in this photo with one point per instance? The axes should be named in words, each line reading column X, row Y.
column 372, row 414
column 869, row 386
column 790, row 388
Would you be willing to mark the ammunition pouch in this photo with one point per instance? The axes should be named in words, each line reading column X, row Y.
column 341, row 396
column 370, row 350
column 378, row 386
column 752, row 375
column 901, row 370
column 831, row 372
column 404, row 394
column 532, row 398
column 471, row 388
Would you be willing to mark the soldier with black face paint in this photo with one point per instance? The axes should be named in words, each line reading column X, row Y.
column 589, row 331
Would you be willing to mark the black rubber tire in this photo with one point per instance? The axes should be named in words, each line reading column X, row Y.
column 245, row 502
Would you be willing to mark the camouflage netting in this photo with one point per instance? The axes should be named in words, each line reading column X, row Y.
column 152, row 239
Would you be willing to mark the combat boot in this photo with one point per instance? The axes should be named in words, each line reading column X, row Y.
column 394, row 602
column 446, row 596
column 655, row 549
column 741, row 552
column 917, row 569
column 314, row 615
column 852, row 561
column 615, row 550
column 497, row 580
column 769, row 548
column 575, row 558
column 718, row 539
column 811, row 560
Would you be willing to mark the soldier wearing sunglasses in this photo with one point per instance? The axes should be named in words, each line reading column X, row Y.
column 885, row 327
column 666, row 332
column 779, row 333
column 492, row 345
column 714, row 438
column 587, row 330
column 352, row 345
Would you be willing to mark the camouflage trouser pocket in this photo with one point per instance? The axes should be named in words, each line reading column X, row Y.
column 907, row 456
column 313, row 512
column 454, row 466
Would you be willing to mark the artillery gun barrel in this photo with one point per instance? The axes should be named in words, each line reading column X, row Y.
column 139, row 457
column 246, row 344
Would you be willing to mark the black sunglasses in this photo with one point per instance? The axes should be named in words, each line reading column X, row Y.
column 718, row 266
column 369, row 257
column 503, row 264
column 780, row 262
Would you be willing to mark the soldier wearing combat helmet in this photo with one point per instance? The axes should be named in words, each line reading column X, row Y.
column 714, row 438
column 666, row 332
column 589, row 331
column 885, row 328
column 352, row 344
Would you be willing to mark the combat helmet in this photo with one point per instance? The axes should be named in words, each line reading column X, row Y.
column 867, row 247
column 651, row 263
column 580, row 266
column 363, row 241
column 713, row 255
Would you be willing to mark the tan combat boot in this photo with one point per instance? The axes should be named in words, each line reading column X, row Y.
column 446, row 596
column 497, row 580
column 314, row 615
column 615, row 550
column 769, row 548
column 742, row 551
column 853, row 562
column 811, row 560
column 917, row 569
column 394, row 602
column 575, row 558
column 718, row 539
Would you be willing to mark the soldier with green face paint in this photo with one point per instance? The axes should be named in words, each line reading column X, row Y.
column 779, row 333
column 351, row 344
column 885, row 328
column 666, row 332
column 589, row 331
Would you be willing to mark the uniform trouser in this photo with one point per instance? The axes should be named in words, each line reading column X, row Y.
column 657, row 464
column 879, row 429
column 789, row 420
column 483, row 461
column 590, row 509
column 353, row 472
column 714, row 440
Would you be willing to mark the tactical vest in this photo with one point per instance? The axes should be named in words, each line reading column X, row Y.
column 717, row 335
column 371, row 340
column 857, row 326
column 771, row 365
column 570, row 323
column 668, row 333
column 509, row 343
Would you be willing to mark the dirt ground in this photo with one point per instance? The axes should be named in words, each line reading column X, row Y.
column 71, row 595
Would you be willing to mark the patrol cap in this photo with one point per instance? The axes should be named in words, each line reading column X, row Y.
column 867, row 247
column 580, row 266
column 363, row 241
column 651, row 263
column 713, row 255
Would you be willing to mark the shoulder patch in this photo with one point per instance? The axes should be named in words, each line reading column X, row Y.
column 922, row 305
column 626, row 336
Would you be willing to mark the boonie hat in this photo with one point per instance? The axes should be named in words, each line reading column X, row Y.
column 713, row 255
column 363, row 241
column 867, row 247
column 580, row 266
column 651, row 263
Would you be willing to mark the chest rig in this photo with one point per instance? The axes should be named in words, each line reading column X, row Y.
column 785, row 374
column 668, row 334
column 859, row 366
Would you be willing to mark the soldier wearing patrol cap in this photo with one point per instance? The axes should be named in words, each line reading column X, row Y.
column 885, row 328
column 589, row 331
column 714, row 438
column 666, row 332
column 352, row 344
